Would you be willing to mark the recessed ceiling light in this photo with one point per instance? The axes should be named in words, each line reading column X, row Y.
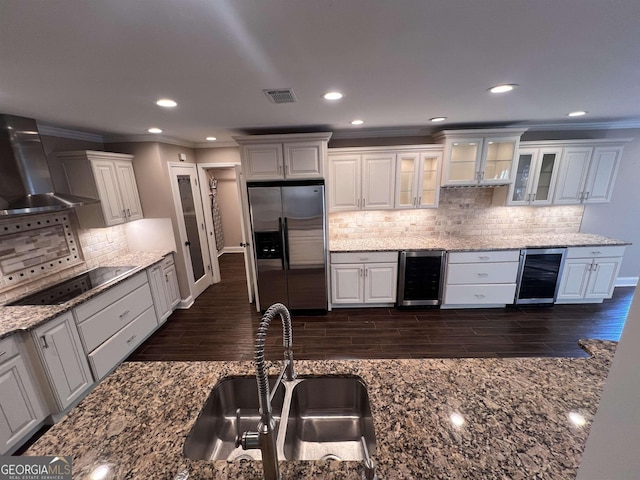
column 154, row 130
column 211, row 139
column 166, row 102
column 332, row 96
column 437, row 119
column 577, row 113
column 356, row 122
column 503, row 88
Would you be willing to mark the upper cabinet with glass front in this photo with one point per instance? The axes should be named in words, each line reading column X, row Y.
column 479, row 157
column 418, row 178
column 535, row 176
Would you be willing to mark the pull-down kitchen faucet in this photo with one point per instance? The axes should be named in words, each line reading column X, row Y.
column 265, row 437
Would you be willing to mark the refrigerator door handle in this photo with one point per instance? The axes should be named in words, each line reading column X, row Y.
column 286, row 243
column 281, row 232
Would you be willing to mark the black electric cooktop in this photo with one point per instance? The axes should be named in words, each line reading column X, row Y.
column 69, row 289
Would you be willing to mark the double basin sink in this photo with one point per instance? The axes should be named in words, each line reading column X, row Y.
column 317, row 418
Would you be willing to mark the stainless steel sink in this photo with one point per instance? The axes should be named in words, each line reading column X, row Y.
column 213, row 435
column 328, row 419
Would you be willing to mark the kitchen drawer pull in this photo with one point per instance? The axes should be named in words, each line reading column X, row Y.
column 2, row 353
column 363, row 259
column 596, row 252
column 484, row 257
column 124, row 314
column 133, row 337
column 479, row 295
column 483, row 275
column 44, row 341
column 166, row 278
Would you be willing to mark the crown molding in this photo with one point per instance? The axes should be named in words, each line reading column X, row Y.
column 615, row 125
column 151, row 137
column 216, row 144
column 383, row 132
column 51, row 131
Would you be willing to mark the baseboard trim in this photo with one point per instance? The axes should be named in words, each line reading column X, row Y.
column 626, row 282
column 232, row 250
column 186, row 303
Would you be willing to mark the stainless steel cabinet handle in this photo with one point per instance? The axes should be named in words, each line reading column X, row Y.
column 128, row 213
column 483, row 274
column 124, row 314
column 596, row 252
column 44, row 341
column 366, row 272
column 595, row 266
column 124, row 213
column 414, row 201
column 363, row 259
column 586, row 196
column 166, row 278
column 479, row 295
column 360, row 270
column 364, row 202
column 419, row 200
column 133, row 337
column 483, row 257
column 2, row 353
column 358, row 203
column 589, row 267
column 534, row 196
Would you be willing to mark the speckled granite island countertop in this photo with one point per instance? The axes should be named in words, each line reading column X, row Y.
column 517, row 419
column 28, row 317
column 471, row 243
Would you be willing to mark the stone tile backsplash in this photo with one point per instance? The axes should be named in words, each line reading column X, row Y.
column 462, row 211
column 38, row 250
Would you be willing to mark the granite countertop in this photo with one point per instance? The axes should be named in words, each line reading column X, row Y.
column 516, row 412
column 28, row 317
column 473, row 243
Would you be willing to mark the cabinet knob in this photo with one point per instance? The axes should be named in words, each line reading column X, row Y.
column 187, row 243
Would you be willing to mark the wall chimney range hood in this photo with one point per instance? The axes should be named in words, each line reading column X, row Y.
column 25, row 180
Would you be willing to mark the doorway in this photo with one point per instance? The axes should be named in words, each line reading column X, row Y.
column 225, row 217
column 191, row 226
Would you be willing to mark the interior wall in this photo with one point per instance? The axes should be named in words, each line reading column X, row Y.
column 229, row 205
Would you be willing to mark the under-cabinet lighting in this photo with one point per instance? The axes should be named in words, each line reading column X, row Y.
column 167, row 103
column 211, row 139
column 577, row 113
column 507, row 87
column 332, row 95
column 154, row 130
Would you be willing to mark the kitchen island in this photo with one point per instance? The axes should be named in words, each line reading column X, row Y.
column 522, row 418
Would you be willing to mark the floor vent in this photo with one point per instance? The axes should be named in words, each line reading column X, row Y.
column 280, row 95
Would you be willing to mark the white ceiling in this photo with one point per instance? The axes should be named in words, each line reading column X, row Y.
column 99, row 66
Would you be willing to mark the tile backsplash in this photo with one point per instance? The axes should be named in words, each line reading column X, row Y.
column 38, row 250
column 462, row 211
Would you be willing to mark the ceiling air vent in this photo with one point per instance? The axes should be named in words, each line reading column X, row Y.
column 280, row 95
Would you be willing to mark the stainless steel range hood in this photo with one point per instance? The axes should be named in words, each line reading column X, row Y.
column 25, row 180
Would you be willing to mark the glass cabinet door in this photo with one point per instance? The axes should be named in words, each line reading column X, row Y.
column 463, row 159
column 428, row 185
column 406, row 196
column 520, row 191
column 498, row 160
column 546, row 169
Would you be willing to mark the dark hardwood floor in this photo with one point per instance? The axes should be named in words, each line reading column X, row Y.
column 221, row 326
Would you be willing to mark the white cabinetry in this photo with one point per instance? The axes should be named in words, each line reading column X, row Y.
column 164, row 288
column 361, row 278
column 63, row 359
column 278, row 157
column 21, row 409
column 361, row 179
column 418, row 178
column 535, row 176
column 589, row 274
column 481, row 279
column 479, row 157
column 108, row 177
column 115, row 322
column 587, row 174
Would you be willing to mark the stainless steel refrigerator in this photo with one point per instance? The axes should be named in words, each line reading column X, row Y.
column 289, row 238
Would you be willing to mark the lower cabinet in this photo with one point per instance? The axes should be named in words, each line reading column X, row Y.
column 21, row 409
column 372, row 280
column 63, row 359
column 115, row 322
column 164, row 288
column 589, row 274
column 483, row 278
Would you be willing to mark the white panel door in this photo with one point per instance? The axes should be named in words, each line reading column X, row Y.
column 380, row 283
column 574, row 166
column 108, row 191
column 129, row 190
column 429, row 180
column 157, row 282
column 171, row 280
column 20, row 407
column 344, row 183
column 303, row 160
column 575, row 275
column 263, row 162
column 61, row 351
column 347, row 284
column 602, row 174
column 603, row 276
column 378, row 181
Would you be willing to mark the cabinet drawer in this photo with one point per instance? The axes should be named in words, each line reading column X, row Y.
column 99, row 327
column 365, row 257
column 105, row 299
column 8, row 348
column 109, row 354
column 167, row 261
column 595, row 252
column 484, row 256
column 474, row 273
column 479, row 294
